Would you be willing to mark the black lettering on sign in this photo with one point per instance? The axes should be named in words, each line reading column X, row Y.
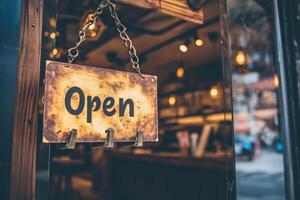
column 123, row 106
column 68, row 100
column 90, row 103
column 107, row 105
column 94, row 104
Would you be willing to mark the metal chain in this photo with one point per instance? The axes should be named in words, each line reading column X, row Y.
column 74, row 51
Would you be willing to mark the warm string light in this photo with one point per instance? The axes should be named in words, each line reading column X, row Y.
column 52, row 35
column 199, row 42
column 276, row 80
column 172, row 100
column 213, row 92
column 55, row 53
column 92, row 26
column 241, row 58
column 96, row 29
column 92, row 29
column 183, row 48
column 93, row 34
column 180, row 72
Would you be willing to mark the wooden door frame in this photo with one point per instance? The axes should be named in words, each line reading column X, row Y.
column 24, row 137
column 21, row 102
column 287, row 51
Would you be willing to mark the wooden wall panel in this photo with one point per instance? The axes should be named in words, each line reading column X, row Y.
column 25, row 118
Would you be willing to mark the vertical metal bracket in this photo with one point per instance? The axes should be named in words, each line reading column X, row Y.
column 139, row 140
column 71, row 141
column 109, row 142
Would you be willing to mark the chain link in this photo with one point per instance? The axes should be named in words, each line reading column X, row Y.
column 74, row 51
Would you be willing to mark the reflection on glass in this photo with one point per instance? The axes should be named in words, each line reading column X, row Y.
column 258, row 144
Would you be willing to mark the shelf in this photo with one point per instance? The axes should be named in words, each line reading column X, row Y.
column 210, row 161
column 199, row 119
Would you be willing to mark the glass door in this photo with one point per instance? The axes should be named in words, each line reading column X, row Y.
column 263, row 119
column 183, row 44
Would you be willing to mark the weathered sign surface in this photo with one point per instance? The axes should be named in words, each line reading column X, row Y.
column 92, row 100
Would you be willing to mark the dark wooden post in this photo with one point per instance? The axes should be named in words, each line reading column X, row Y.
column 287, row 24
column 24, row 137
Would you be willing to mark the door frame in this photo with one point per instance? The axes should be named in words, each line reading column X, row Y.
column 287, row 51
column 19, row 83
column 21, row 117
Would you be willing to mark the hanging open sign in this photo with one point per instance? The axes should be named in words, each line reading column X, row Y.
column 91, row 100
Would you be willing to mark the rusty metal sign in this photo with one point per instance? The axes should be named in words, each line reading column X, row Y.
column 91, row 100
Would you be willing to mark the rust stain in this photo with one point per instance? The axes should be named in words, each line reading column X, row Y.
column 103, row 83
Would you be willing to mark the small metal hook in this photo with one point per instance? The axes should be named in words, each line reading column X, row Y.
column 139, row 140
column 109, row 142
column 71, row 140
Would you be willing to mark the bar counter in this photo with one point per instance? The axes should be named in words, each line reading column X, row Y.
column 164, row 176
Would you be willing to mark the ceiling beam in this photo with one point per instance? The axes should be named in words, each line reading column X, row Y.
column 174, row 8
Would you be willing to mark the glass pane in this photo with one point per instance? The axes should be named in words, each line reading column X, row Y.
column 258, row 140
column 194, row 156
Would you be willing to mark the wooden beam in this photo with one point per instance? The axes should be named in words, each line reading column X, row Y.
column 176, row 8
column 25, row 118
column 143, row 3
